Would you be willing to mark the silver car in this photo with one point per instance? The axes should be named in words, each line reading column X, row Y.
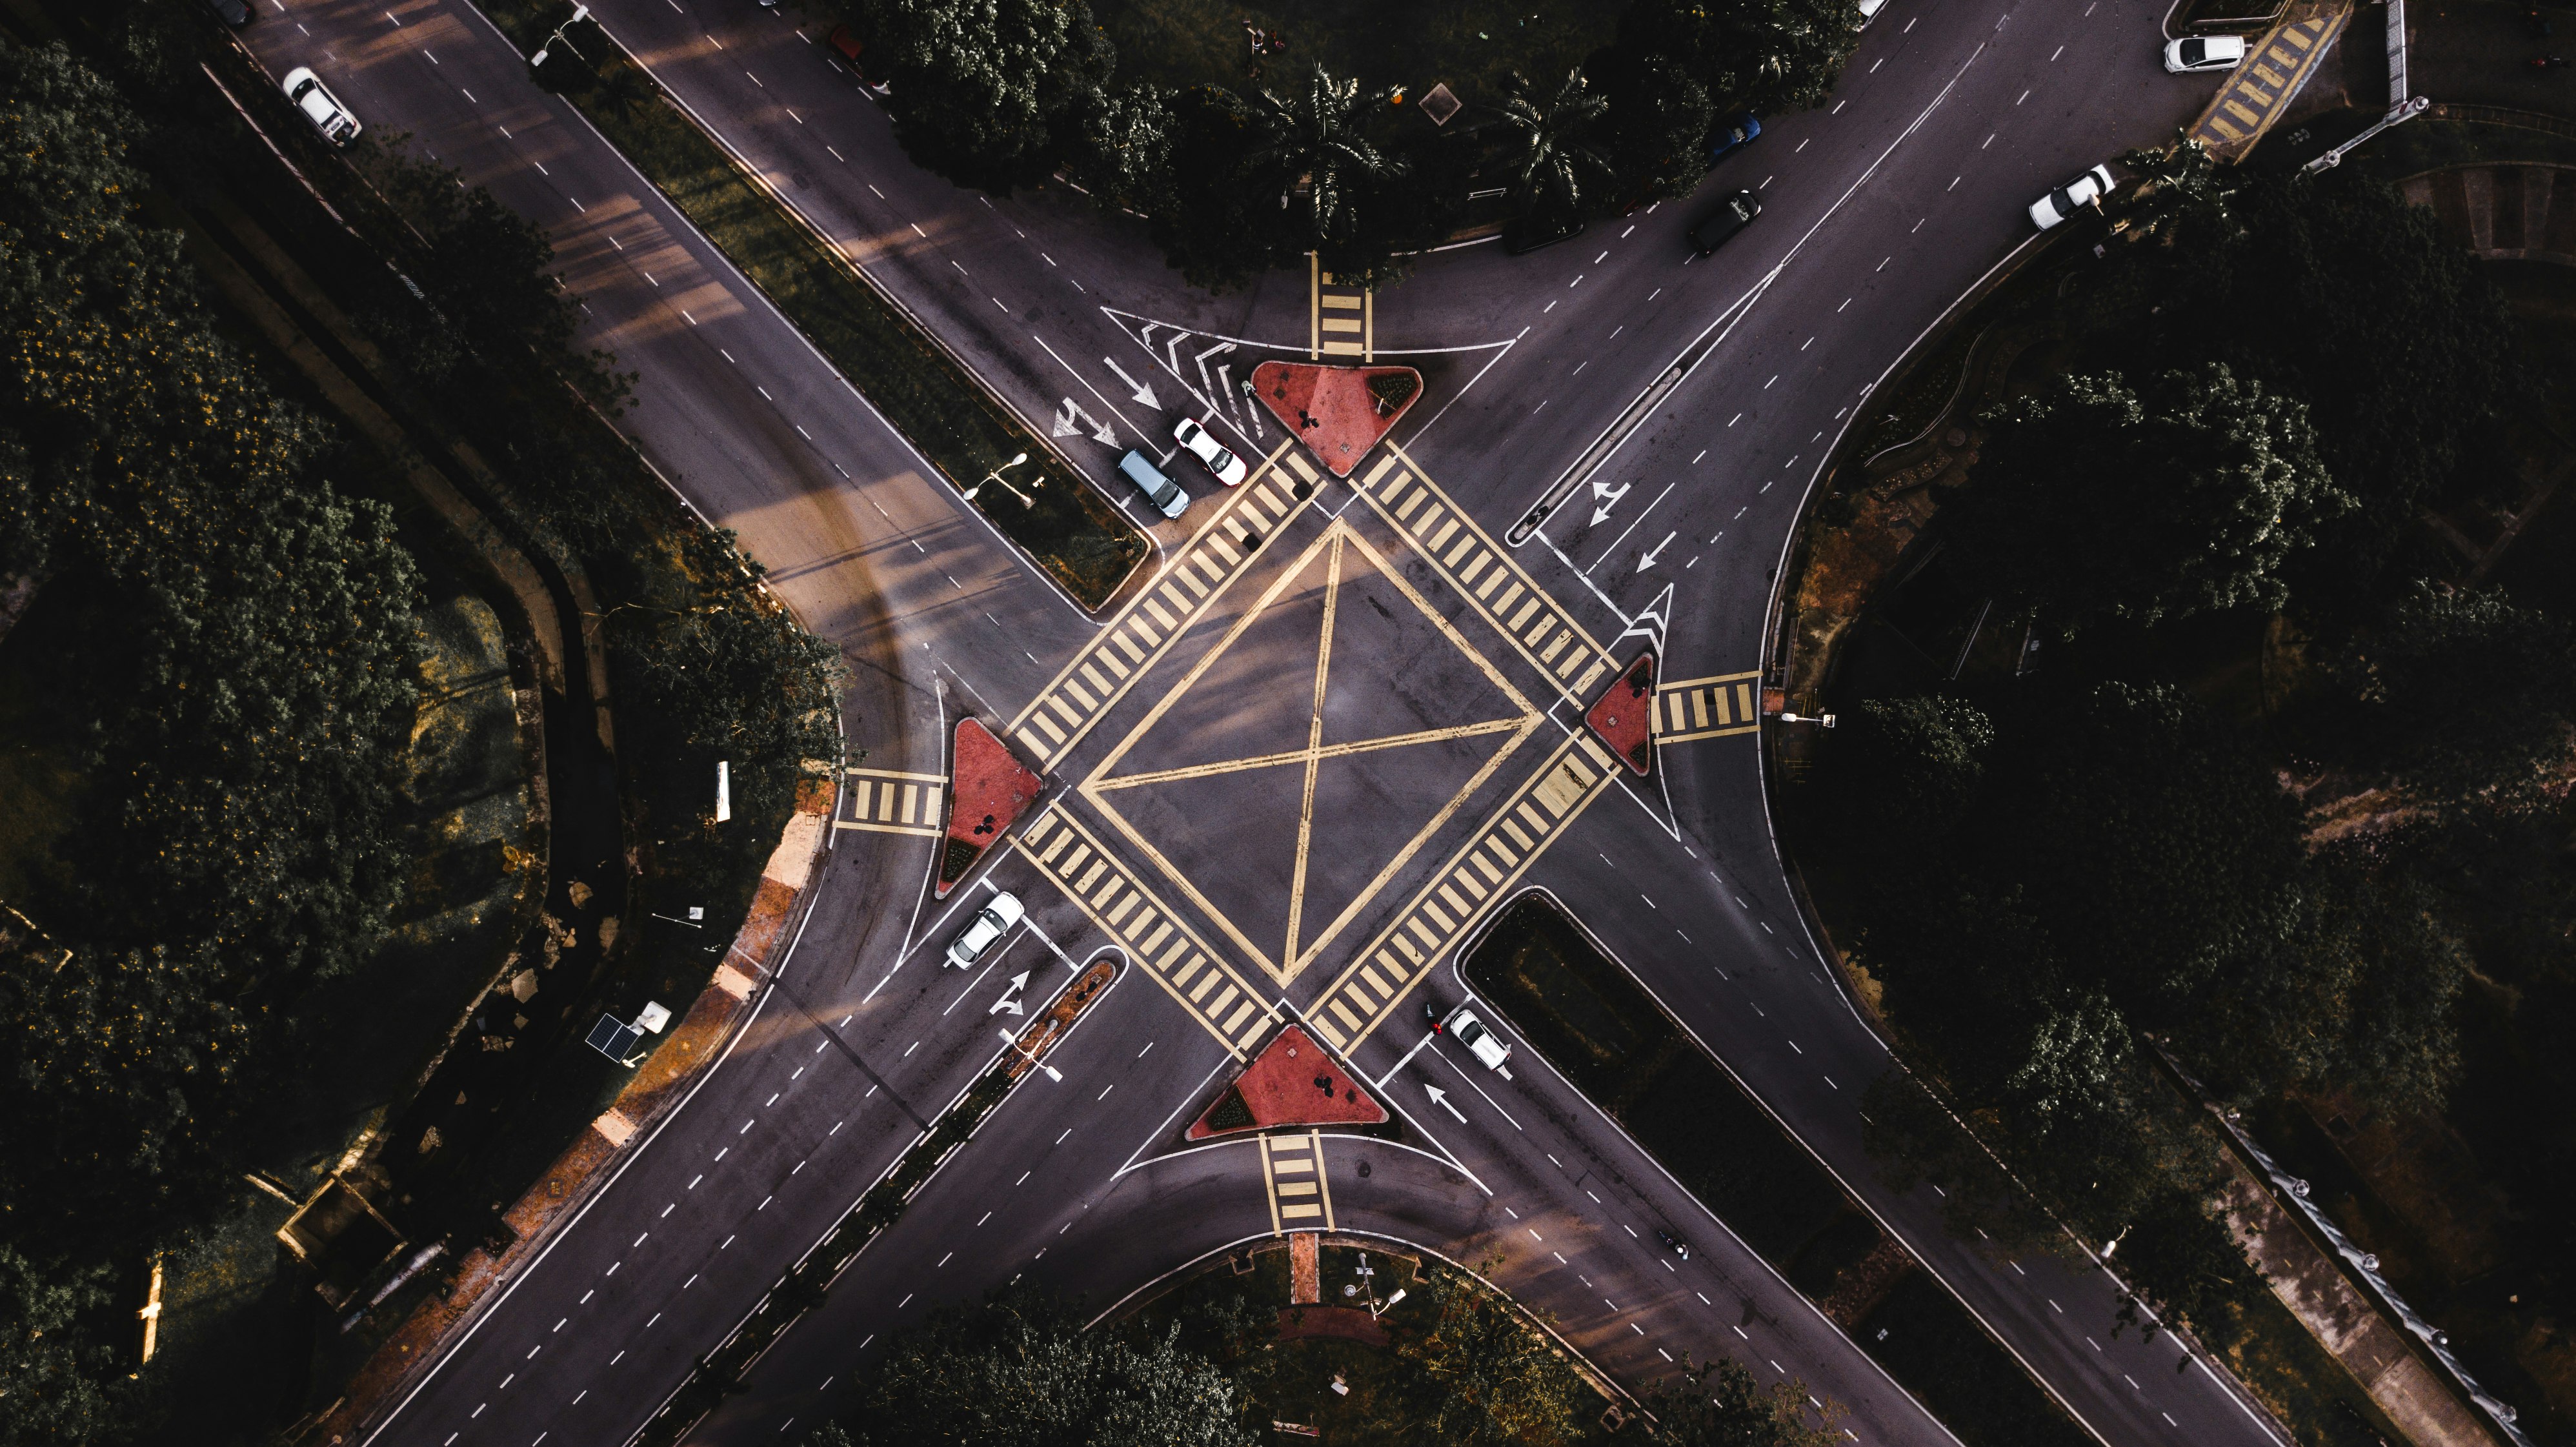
column 321, row 107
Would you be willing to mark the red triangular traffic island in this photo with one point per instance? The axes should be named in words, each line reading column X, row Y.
column 988, row 790
column 1292, row 1082
column 1338, row 412
column 1624, row 715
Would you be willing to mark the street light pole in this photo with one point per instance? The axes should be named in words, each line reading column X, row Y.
column 580, row 13
column 996, row 476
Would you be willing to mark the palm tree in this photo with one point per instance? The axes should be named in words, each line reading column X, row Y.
column 1315, row 143
column 1556, row 161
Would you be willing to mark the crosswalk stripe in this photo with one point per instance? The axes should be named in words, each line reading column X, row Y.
column 1127, row 911
column 1367, row 991
column 1088, row 686
column 1704, row 708
column 1447, row 538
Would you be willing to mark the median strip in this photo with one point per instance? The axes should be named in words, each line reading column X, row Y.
column 1065, row 526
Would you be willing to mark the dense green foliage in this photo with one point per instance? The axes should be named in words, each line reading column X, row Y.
column 1720, row 1405
column 248, row 742
column 1020, row 1372
column 2076, row 877
column 999, row 93
column 2184, row 494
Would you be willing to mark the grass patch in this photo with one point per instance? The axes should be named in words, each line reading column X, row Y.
column 1472, row 45
column 1594, row 1023
column 1068, row 528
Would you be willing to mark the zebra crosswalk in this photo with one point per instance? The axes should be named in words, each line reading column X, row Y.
column 2256, row 93
column 1482, row 872
column 889, row 801
column 1196, row 976
column 1097, row 678
column 1292, row 1177
column 1341, row 316
column 1707, row 708
column 1480, row 571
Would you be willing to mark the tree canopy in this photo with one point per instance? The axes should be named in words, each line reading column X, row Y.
column 1020, row 1372
column 2190, row 493
column 987, row 92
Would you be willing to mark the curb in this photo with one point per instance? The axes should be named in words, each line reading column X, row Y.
column 403, row 1360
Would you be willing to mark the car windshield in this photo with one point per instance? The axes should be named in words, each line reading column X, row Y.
column 2194, row 52
column 1471, row 1032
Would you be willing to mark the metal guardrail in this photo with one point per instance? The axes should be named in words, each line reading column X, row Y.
column 2363, row 1266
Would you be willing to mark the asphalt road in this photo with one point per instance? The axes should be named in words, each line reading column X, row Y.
column 1878, row 212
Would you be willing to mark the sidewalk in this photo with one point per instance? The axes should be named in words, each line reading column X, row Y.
column 2346, row 1323
column 658, row 1086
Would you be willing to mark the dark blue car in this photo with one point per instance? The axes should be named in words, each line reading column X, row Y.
column 1733, row 135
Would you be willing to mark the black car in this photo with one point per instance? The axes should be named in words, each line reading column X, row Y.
column 232, row 12
column 1732, row 215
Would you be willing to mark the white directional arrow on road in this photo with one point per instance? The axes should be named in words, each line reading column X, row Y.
column 1064, row 424
column 1019, row 982
column 1655, row 552
column 1606, row 498
column 1143, row 393
column 1440, row 1098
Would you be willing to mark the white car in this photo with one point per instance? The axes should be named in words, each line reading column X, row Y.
column 321, row 107
column 985, row 930
column 1226, row 467
column 2072, row 197
column 1868, row 12
column 2204, row 52
column 1467, row 1030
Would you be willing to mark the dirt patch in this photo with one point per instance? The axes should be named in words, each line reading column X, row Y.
column 1349, row 1323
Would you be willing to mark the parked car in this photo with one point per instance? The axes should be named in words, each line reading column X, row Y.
column 2074, row 196
column 1868, row 12
column 2204, row 52
column 1159, row 489
column 1732, row 215
column 1202, row 444
column 846, row 41
column 1734, row 135
column 1482, row 1043
column 232, row 12
column 320, row 107
column 985, row 930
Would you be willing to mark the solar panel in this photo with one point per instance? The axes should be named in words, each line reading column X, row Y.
column 613, row 1038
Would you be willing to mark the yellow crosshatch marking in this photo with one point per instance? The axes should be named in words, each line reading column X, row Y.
column 1100, row 675
column 1300, row 949
column 1471, row 882
column 1484, row 574
column 1293, row 1181
column 1707, row 708
column 889, row 801
column 1197, row 977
